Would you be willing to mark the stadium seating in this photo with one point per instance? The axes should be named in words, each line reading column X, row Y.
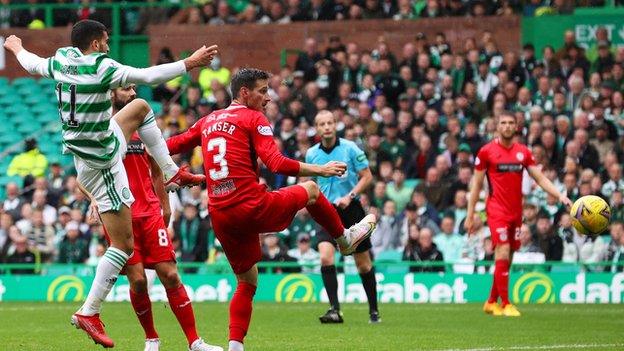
column 28, row 108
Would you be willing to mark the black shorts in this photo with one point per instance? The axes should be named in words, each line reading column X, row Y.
column 349, row 216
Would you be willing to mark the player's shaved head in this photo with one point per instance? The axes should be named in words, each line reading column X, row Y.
column 86, row 31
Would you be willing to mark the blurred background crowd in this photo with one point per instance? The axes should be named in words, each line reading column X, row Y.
column 218, row 12
column 420, row 114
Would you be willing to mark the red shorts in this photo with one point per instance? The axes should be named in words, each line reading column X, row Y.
column 505, row 231
column 151, row 242
column 238, row 227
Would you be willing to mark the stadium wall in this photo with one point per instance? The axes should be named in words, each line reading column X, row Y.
column 260, row 45
column 41, row 42
column 529, row 287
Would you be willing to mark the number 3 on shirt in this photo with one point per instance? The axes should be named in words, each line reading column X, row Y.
column 218, row 159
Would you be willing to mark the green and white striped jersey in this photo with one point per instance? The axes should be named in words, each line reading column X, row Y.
column 83, row 89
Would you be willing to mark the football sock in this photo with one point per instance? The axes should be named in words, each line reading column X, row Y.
column 493, row 292
column 370, row 287
column 105, row 277
column 143, row 308
column 501, row 278
column 235, row 346
column 326, row 215
column 156, row 145
column 240, row 310
column 331, row 285
column 183, row 310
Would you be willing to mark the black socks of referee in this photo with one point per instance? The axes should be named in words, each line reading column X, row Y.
column 331, row 285
column 370, row 287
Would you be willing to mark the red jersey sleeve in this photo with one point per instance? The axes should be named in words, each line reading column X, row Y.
column 186, row 141
column 529, row 160
column 481, row 161
column 262, row 139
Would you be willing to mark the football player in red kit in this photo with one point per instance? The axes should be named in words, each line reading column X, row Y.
column 152, row 247
column 503, row 162
column 240, row 207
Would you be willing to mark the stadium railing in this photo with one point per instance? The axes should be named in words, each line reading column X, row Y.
column 273, row 267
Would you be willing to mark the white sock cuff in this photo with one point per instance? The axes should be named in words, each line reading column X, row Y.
column 149, row 118
column 116, row 257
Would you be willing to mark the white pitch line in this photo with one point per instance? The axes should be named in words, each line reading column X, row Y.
column 539, row 347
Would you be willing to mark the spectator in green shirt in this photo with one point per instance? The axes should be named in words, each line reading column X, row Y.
column 391, row 144
column 448, row 241
column 73, row 248
column 397, row 191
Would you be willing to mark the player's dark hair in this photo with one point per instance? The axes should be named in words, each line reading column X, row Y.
column 86, row 31
column 247, row 78
column 507, row 113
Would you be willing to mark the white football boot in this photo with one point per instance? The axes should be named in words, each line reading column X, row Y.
column 358, row 232
column 200, row 345
column 152, row 345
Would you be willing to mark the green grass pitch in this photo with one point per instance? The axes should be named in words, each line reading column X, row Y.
column 45, row 327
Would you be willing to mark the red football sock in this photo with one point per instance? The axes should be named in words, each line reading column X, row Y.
column 183, row 310
column 501, row 279
column 143, row 308
column 325, row 214
column 240, row 310
column 493, row 292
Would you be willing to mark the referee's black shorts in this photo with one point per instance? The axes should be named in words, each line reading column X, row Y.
column 349, row 216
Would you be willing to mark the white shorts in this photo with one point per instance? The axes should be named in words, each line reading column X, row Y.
column 109, row 186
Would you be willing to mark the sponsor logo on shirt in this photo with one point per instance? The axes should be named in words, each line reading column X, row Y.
column 509, row 167
column 265, row 130
column 502, row 233
column 135, row 147
column 223, row 188
column 361, row 158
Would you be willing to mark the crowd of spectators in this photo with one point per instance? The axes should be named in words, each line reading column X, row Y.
column 421, row 115
column 135, row 19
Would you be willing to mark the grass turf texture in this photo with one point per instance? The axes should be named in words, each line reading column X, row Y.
column 45, row 327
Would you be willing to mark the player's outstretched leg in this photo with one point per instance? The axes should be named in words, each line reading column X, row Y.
column 326, row 215
column 330, row 281
column 367, row 275
column 181, row 306
column 241, row 307
column 138, row 116
column 140, row 300
column 118, row 224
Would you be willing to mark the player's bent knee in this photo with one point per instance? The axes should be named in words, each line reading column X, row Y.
column 138, row 284
column 313, row 191
column 170, row 279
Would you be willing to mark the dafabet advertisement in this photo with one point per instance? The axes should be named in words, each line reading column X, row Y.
column 531, row 287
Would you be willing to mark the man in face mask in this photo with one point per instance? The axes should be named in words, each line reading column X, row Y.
column 211, row 73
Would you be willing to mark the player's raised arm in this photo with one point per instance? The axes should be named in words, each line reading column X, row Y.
column 186, row 141
column 268, row 152
column 32, row 63
column 547, row 185
column 165, row 72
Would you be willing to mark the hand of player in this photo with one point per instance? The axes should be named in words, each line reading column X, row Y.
column 566, row 201
column 344, row 202
column 201, row 57
column 469, row 224
column 94, row 216
column 13, row 44
column 333, row 168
